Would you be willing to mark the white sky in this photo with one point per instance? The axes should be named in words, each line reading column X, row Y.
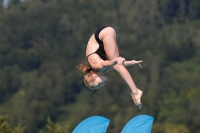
column 5, row 2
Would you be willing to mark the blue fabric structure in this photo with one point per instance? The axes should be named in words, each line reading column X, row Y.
column 94, row 124
column 139, row 124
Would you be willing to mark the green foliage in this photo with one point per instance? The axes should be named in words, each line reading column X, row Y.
column 55, row 128
column 41, row 42
column 169, row 128
column 180, row 45
column 5, row 127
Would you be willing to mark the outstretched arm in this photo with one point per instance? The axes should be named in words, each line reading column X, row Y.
column 126, row 64
column 132, row 62
column 102, row 65
column 110, row 63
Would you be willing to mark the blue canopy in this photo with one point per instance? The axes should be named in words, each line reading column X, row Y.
column 139, row 124
column 94, row 124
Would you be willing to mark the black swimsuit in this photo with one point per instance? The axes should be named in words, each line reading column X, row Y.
column 100, row 51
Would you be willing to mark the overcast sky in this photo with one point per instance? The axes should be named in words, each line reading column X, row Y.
column 5, row 2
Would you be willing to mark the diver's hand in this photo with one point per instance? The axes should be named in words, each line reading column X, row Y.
column 120, row 60
column 132, row 62
column 136, row 62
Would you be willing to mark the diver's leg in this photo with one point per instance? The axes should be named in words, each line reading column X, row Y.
column 108, row 36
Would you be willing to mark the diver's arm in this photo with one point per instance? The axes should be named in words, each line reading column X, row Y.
column 125, row 63
column 132, row 62
column 110, row 63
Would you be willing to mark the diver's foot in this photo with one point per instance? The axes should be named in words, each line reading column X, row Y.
column 136, row 96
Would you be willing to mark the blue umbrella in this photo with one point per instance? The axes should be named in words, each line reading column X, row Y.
column 93, row 124
column 139, row 124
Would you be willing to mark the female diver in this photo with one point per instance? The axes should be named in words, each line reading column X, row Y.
column 103, row 55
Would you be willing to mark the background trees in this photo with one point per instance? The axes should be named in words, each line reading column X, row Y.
column 42, row 41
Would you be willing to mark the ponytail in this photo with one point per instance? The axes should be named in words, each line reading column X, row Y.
column 84, row 67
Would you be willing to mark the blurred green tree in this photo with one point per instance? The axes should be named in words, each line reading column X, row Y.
column 5, row 127
column 41, row 42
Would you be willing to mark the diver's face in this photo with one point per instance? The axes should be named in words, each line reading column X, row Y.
column 100, row 80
